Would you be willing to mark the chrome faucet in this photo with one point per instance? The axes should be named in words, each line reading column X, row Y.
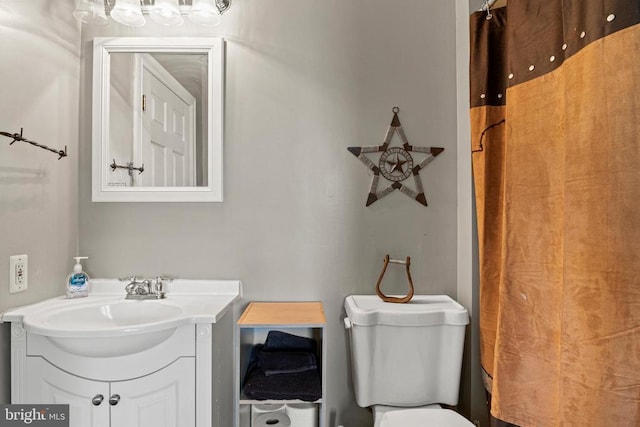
column 145, row 289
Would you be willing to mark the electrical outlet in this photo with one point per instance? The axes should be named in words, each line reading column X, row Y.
column 18, row 273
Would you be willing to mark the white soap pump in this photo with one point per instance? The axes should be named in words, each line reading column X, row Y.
column 78, row 281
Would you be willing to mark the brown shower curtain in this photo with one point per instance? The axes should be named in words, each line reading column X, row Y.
column 555, row 116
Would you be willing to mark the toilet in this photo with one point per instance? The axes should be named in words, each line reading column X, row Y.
column 406, row 359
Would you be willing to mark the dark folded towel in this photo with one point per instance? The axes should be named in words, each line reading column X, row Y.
column 284, row 367
column 286, row 362
column 304, row 386
column 282, row 341
column 253, row 358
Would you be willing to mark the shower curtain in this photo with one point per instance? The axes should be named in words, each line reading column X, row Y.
column 555, row 118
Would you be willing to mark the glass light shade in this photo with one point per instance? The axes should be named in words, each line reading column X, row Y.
column 166, row 12
column 91, row 12
column 128, row 12
column 205, row 13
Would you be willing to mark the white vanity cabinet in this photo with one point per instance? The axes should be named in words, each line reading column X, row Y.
column 162, row 399
column 152, row 388
column 170, row 365
column 48, row 384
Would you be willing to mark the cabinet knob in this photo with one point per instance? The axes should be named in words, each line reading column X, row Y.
column 97, row 399
column 113, row 400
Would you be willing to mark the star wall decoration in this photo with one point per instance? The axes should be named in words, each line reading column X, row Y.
column 396, row 164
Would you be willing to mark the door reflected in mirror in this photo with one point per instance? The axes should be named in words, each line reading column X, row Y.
column 157, row 105
column 157, row 119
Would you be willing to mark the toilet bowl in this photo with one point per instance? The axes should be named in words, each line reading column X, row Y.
column 436, row 417
column 406, row 359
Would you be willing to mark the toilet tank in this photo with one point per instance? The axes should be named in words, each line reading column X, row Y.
column 406, row 354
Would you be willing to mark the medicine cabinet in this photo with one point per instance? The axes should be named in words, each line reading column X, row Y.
column 157, row 119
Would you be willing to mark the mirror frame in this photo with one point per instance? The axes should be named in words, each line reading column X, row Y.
column 213, row 47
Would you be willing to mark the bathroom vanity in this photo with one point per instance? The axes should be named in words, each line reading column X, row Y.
column 129, row 363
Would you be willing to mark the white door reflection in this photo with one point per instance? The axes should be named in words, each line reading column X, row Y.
column 156, row 114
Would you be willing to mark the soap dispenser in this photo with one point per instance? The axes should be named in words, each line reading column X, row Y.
column 78, row 280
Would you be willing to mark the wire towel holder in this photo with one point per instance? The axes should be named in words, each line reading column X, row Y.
column 19, row 137
column 129, row 167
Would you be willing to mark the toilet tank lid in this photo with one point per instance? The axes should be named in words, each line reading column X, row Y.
column 422, row 310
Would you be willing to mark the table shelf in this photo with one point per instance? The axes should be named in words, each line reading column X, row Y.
column 305, row 319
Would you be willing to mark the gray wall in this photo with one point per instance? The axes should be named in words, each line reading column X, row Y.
column 475, row 5
column 472, row 395
column 39, row 91
column 305, row 80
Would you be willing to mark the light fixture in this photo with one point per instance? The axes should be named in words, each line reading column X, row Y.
column 204, row 12
column 165, row 12
column 91, row 12
column 128, row 12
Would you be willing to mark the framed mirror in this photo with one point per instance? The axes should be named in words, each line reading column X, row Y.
column 157, row 119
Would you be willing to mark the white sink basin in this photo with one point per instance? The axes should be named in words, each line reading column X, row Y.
column 111, row 346
column 106, row 325
column 116, row 314
column 107, row 328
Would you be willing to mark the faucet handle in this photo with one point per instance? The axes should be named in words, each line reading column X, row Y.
column 160, row 286
column 135, row 287
column 131, row 283
column 130, row 279
column 145, row 287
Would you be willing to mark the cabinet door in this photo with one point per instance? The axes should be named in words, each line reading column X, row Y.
column 163, row 399
column 87, row 400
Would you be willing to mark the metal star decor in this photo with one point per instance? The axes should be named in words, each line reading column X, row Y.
column 395, row 164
